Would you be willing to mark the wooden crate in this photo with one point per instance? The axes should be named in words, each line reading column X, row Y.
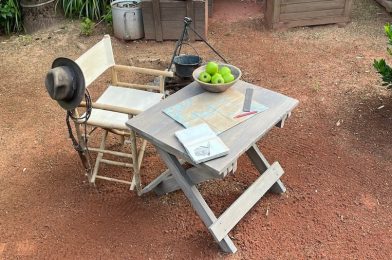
column 387, row 4
column 164, row 19
column 210, row 7
column 293, row 13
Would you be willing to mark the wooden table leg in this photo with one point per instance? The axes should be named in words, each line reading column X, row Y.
column 152, row 185
column 194, row 196
column 261, row 164
column 169, row 184
column 166, row 182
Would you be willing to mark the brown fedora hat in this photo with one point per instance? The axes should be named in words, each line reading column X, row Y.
column 65, row 83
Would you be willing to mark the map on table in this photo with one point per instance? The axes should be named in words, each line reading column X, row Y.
column 216, row 109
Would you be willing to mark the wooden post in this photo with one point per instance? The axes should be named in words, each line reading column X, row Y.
column 190, row 12
column 114, row 76
column 99, row 156
column 157, row 20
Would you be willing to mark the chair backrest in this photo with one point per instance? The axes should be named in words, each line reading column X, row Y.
column 96, row 60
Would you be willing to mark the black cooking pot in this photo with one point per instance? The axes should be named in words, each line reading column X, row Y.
column 186, row 64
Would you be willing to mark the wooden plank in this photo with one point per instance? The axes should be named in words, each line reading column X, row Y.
column 112, row 179
column 313, row 6
column 261, row 164
column 169, row 184
column 149, row 27
column 190, row 12
column 313, row 21
column 284, row 118
column 210, row 4
column 158, row 128
column 299, row 1
column 172, row 14
column 195, row 198
column 171, row 18
column 148, row 19
column 269, row 12
column 156, row 182
column 178, row 14
column 387, row 4
column 200, row 13
column 176, row 28
column 245, row 202
column 276, row 11
column 206, row 16
column 312, row 15
column 348, row 8
column 258, row 159
column 174, row 4
column 157, row 20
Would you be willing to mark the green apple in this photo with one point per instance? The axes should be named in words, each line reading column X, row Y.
column 205, row 77
column 217, row 79
column 228, row 77
column 224, row 70
column 212, row 68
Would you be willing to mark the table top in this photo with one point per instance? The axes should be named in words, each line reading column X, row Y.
column 158, row 128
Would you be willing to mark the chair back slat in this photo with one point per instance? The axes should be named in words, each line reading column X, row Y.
column 96, row 60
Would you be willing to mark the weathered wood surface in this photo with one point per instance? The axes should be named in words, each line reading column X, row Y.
column 196, row 176
column 195, row 198
column 261, row 164
column 210, row 10
column 232, row 215
column 312, row 6
column 159, row 128
column 386, row 3
column 293, row 13
column 164, row 19
column 156, row 12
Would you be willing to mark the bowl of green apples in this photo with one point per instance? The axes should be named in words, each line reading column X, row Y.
column 216, row 77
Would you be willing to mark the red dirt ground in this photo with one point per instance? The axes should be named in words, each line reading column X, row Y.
column 335, row 149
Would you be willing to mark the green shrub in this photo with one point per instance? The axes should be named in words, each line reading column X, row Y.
column 86, row 27
column 380, row 65
column 10, row 17
column 92, row 9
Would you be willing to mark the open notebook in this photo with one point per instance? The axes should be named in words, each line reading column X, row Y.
column 201, row 143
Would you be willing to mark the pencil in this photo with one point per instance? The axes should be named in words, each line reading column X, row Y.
column 245, row 114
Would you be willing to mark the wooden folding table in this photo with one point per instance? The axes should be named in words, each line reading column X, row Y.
column 158, row 128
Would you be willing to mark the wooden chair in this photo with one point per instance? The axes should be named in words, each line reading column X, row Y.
column 119, row 102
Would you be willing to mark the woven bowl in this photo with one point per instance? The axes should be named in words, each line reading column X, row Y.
column 217, row 87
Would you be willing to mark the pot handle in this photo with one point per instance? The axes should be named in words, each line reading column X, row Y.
column 126, row 26
column 185, row 43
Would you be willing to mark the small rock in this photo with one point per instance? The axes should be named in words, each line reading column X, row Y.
column 81, row 46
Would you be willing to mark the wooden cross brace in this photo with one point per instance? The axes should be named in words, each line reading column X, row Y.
column 176, row 177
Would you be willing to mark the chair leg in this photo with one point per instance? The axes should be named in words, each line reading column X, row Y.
column 135, row 163
column 122, row 138
column 99, row 157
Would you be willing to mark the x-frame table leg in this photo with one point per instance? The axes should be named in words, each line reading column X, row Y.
column 261, row 164
column 194, row 196
column 220, row 227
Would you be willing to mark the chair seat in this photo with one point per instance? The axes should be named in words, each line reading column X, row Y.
column 121, row 97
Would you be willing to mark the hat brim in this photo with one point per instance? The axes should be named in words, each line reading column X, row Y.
column 80, row 83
